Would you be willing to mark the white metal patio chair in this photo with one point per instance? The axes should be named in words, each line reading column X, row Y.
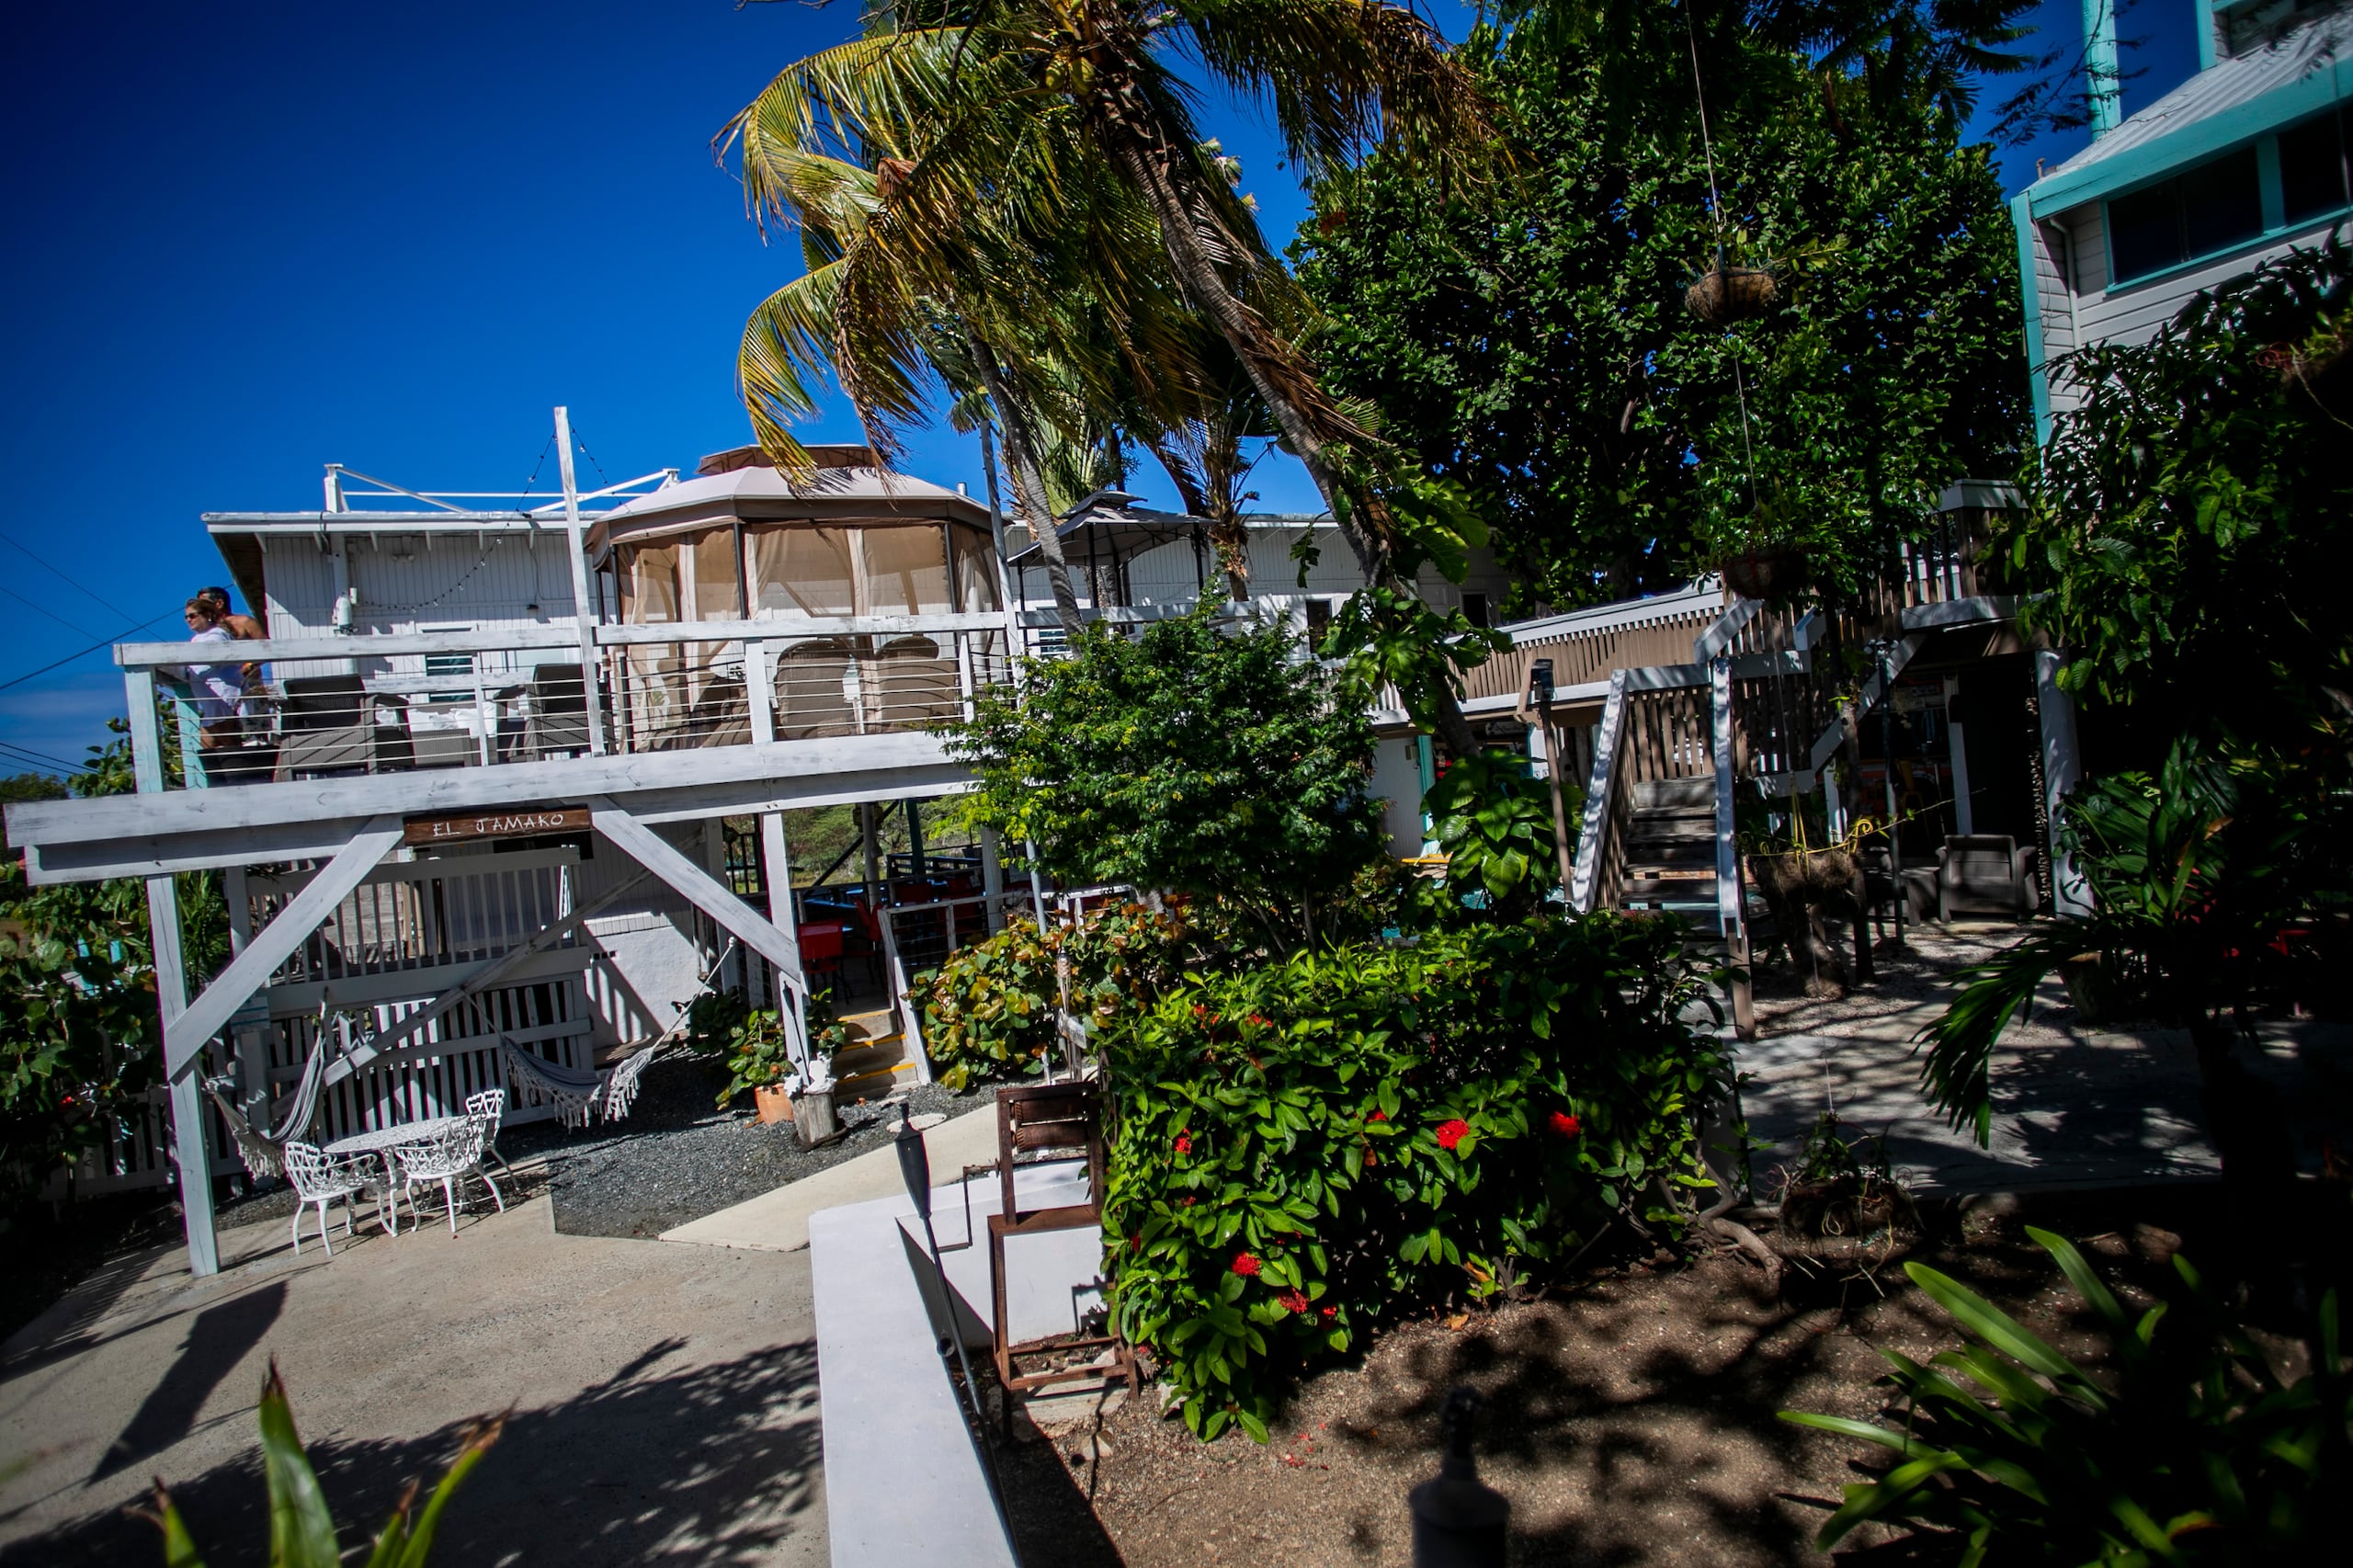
column 320, row 1179
column 449, row 1159
column 487, row 1108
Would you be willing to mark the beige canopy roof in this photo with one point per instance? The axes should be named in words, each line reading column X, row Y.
column 756, row 491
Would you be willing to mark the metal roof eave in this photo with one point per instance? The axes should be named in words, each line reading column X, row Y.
column 2169, row 152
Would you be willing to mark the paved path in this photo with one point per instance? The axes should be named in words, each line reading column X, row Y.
column 665, row 1398
column 2074, row 1106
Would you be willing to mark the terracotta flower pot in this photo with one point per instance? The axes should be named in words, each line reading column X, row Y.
column 1769, row 572
column 773, row 1103
column 1722, row 295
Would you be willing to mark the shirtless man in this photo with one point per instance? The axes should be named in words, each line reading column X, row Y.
column 243, row 628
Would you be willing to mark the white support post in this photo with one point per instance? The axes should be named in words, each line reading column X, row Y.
column 1729, row 908
column 187, row 1030
column 189, row 1151
column 2071, row 899
column 759, row 692
column 1964, row 812
column 776, row 855
column 583, row 613
column 993, row 879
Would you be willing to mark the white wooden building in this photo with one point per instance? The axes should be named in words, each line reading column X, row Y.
column 2242, row 162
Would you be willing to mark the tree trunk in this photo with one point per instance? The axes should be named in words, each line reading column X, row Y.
column 1197, row 501
column 1310, row 422
column 1029, row 489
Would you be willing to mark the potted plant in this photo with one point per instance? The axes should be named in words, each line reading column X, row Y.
column 758, row 1060
column 1726, row 293
column 1759, row 555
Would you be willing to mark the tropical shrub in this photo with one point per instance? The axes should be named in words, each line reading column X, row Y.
column 2199, row 1453
column 1305, row 1148
column 302, row 1531
column 1196, row 759
column 1495, row 822
column 988, row 1012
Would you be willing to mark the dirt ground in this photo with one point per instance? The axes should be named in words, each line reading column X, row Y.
column 1630, row 1419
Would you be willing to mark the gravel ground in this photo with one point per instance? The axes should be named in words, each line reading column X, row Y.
column 674, row 1158
column 1630, row 1417
column 677, row 1159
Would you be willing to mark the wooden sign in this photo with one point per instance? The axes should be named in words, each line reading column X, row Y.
column 495, row 825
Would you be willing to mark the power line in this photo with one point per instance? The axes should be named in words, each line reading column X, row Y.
column 62, row 576
column 85, row 652
column 39, row 609
column 15, row 753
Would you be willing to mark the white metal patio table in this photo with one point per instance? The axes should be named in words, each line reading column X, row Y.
column 383, row 1141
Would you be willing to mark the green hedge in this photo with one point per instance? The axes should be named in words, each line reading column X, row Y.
column 1306, row 1149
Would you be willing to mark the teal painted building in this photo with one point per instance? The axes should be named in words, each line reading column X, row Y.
column 2245, row 159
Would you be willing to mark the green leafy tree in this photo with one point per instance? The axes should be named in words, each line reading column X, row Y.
column 79, row 1020
column 2187, row 537
column 1532, row 336
column 1192, row 760
column 2188, row 518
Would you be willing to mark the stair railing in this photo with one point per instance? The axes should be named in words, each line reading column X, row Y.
column 1596, row 836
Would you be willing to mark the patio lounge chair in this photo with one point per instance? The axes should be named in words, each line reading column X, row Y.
column 1986, row 874
column 327, row 726
column 558, row 723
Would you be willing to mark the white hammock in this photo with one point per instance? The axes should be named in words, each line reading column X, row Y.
column 579, row 1094
column 260, row 1147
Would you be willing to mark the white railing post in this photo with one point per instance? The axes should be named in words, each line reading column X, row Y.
column 1729, row 908
column 759, row 692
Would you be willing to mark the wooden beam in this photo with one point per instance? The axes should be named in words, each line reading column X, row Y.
column 1606, row 740
column 186, row 1034
column 1730, row 908
column 555, row 780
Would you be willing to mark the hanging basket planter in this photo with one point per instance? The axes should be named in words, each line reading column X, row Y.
column 1722, row 295
column 1767, row 572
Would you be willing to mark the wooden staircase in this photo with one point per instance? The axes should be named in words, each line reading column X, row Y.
column 877, row 1059
column 1670, row 846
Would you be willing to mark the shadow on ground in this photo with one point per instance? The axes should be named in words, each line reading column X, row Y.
column 713, row 1465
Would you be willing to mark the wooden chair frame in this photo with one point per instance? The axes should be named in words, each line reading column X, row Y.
column 1035, row 1119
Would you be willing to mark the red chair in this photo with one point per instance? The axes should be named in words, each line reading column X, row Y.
column 820, row 948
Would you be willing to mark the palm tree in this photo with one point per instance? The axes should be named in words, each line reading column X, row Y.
column 1060, row 117
column 797, row 330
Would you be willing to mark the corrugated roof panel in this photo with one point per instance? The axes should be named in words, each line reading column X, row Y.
column 2227, row 85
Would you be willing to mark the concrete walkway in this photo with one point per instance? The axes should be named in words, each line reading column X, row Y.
column 778, row 1221
column 2075, row 1104
column 664, row 1399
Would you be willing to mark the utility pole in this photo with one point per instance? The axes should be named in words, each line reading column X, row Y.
column 583, row 614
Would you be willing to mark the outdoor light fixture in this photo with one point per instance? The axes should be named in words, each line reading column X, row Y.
column 1540, row 684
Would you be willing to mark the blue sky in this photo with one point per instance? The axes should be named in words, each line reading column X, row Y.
column 250, row 239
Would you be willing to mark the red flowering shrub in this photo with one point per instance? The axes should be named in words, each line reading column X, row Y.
column 1379, row 1144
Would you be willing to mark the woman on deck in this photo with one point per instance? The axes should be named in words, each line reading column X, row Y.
column 216, row 691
